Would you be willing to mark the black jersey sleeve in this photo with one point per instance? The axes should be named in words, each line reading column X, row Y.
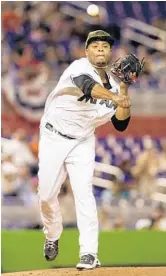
column 85, row 83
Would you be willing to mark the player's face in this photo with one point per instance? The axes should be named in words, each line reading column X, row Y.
column 99, row 53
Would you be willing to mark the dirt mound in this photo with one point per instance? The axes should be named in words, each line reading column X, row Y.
column 104, row 271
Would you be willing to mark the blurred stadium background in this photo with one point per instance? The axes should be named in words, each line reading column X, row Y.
column 39, row 40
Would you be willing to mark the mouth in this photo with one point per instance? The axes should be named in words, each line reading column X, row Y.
column 100, row 56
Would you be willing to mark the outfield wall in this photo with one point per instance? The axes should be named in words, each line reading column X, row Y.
column 23, row 250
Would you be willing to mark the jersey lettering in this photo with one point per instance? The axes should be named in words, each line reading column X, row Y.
column 107, row 103
column 93, row 101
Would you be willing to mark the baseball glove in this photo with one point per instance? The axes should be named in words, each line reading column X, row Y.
column 122, row 68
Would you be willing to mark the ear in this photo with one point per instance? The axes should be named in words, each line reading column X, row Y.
column 86, row 52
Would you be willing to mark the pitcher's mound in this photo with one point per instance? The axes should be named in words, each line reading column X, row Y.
column 104, row 271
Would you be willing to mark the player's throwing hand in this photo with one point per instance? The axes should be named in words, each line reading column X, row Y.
column 122, row 101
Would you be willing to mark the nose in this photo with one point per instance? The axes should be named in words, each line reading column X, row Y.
column 100, row 49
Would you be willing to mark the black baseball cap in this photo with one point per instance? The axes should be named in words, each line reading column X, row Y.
column 99, row 35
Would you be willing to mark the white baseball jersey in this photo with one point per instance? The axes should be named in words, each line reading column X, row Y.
column 72, row 117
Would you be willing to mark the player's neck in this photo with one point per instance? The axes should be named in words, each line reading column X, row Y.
column 102, row 73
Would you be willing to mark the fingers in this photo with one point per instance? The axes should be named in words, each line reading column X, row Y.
column 124, row 102
column 127, row 103
column 133, row 77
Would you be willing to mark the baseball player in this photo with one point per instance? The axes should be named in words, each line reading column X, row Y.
column 85, row 97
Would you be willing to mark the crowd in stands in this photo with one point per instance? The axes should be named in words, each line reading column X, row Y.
column 38, row 36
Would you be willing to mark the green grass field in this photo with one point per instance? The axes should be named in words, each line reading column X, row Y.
column 23, row 250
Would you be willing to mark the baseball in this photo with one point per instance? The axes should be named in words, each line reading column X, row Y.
column 93, row 10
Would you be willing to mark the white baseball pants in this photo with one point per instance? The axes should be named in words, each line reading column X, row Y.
column 57, row 157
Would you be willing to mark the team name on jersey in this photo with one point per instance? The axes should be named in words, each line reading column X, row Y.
column 107, row 103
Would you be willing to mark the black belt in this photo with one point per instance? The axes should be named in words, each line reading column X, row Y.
column 51, row 128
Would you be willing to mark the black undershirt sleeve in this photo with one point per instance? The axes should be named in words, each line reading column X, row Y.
column 85, row 83
column 120, row 125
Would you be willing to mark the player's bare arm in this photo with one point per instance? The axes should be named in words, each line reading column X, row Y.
column 99, row 92
column 123, row 113
column 127, row 70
